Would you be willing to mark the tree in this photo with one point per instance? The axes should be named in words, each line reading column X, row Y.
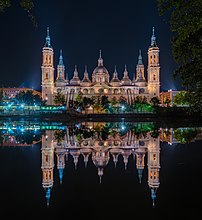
column 27, row 98
column 98, row 106
column 155, row 101
column 59, row 136
column 166, row 101
column 59, row 99
column 27, row 5
column 104, row 102
column 1, row 96
column 181, row 98
column 186, row 24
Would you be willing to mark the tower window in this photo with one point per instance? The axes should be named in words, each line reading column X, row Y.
column 46, row 75
column 154, row 77
column 154, row 157
column 46, row 158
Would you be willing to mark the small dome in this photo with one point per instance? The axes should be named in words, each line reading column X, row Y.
column 75, row 80
column 126, row 80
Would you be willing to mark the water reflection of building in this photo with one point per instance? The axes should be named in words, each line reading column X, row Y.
column 114, row 145
column 47, row 165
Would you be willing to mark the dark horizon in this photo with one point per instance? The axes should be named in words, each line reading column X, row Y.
column 81, row 29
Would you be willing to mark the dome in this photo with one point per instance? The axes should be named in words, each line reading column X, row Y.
column 100, row 73
column 100, row 158
column 126, row 80
column 101, row 70
column 75, row 80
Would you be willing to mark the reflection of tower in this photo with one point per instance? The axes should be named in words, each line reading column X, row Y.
column 47, row 163
column 153, row 166
column 140, row 152
column 60, row 153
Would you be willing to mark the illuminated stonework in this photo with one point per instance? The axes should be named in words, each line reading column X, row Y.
column 100, row 83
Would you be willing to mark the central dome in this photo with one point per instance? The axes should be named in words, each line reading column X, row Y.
column 100, row 70
column 100, row 73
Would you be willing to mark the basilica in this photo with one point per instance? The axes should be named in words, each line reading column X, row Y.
column 100, row 82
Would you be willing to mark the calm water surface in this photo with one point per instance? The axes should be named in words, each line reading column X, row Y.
column 95, row 170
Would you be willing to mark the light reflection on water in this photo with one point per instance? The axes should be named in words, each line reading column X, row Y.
column 100, row 145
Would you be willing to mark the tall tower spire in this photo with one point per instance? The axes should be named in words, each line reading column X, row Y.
column 47, row 69
column 153, row 39
column 153, row 68
column 47, row 44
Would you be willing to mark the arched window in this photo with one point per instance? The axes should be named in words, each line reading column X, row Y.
column 116, row 91
column 154, row 77
column 155, row 175
column 85, row 91
column 100, row 91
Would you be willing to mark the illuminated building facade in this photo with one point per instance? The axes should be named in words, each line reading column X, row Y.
column 100, row 82
column 12, row 92
column 168, row 95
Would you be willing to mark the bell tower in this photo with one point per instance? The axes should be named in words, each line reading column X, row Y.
column 153, row 68
column 47, row 71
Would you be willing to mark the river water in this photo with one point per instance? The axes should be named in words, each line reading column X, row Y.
column 100, row 170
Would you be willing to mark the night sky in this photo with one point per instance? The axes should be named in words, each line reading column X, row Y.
column 81, row 29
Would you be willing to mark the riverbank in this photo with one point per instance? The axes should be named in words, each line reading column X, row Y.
column 161, row 119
